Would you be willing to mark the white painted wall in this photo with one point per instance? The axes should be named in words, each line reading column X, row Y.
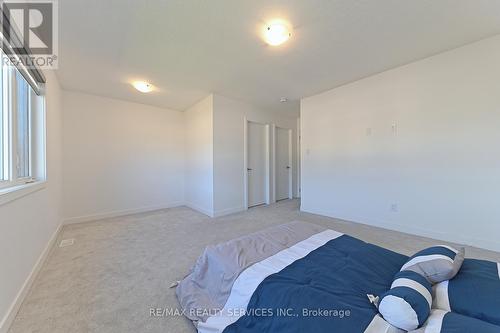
column 229, row 173
column 29, row 223
column 199, row 171
column 442, row 168
column 120, row 157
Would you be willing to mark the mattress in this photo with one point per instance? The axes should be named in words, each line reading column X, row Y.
column 297, row 277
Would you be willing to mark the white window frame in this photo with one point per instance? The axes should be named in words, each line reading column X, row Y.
column 12, row 186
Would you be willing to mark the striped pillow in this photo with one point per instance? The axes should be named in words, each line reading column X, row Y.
column 408, row 303
column 437, row 263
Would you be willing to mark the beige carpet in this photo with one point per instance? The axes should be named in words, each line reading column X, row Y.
column 118, row 269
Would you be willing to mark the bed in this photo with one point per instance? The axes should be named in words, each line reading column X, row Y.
column 296, row 277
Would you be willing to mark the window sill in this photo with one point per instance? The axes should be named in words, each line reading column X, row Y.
column 13, row 193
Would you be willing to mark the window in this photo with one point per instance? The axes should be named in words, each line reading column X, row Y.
column 21, row 135
column 2, row 177
column 22, row 110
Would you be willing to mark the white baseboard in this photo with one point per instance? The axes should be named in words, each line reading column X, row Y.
column 21, row 295
column 211, row 213
column 228, row 211
column 452, row 237
column 445, row 236
column 207, row 212
column 107, row 215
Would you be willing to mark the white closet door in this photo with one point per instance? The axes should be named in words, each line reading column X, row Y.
column 283, row 164
column 257, row 174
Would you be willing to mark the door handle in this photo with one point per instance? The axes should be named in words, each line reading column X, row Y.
column 248, row 169
column 288, row 167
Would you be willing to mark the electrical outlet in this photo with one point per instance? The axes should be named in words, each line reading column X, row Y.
column 394, row 128
column 394, row 208
column 67, row 242
column 369, row 131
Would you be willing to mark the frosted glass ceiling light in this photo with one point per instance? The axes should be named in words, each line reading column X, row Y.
column 143, row 86
column 277, row 33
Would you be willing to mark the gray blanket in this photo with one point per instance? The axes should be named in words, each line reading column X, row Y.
column 208, row 286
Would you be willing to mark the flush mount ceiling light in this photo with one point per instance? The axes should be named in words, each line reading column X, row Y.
column 276, row 33
column 283, row 99
column 143, row 86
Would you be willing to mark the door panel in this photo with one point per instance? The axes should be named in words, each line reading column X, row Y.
column 257, row 164
column 283, row 167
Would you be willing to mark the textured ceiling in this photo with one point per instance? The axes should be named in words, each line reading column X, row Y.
column 190, row 48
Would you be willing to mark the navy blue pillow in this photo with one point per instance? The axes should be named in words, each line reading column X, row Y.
column 407, row 304
column 437, row 263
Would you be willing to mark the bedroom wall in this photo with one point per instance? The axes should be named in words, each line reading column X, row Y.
column 413, row 149
column 29, row 224
column 229, row 173
column 120, row 157
column 199, row 171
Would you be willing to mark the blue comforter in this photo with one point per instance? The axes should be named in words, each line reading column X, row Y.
column 326, row 291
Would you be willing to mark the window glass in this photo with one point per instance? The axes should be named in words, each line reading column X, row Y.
column 22, row 155
column 22, row 110
column 2, row 133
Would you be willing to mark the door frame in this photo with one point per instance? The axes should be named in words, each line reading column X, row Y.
column 299, row 158
column 290, row 161
column 245, row 161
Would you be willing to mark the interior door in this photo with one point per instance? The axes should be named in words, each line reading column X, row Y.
column 283, row 165
column 257, row 164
